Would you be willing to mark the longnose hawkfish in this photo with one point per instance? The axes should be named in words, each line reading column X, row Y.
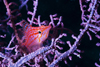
column 34, row 36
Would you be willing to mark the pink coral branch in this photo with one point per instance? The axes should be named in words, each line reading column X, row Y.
column 35, row 3
column 77, row 42
column 33, row 55
column 24, row 3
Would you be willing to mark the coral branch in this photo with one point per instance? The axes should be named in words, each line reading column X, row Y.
column 33, row 55
column 5, row 57
column 35, row 3
column 10, row 41
column 76, row 43
column 12, row 20
column 24, row 3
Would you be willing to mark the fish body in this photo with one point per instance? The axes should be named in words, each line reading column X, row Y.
column 34, row 36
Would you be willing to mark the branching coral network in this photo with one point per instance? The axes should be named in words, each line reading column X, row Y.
column 52, row 53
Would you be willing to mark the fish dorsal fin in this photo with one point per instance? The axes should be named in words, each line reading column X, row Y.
column 26, row 25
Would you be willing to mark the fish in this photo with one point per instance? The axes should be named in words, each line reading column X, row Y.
column 35, row 36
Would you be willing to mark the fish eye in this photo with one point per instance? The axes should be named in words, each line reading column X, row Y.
column 39, row 32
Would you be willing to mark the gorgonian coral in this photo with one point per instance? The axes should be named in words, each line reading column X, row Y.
column 28, row 37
